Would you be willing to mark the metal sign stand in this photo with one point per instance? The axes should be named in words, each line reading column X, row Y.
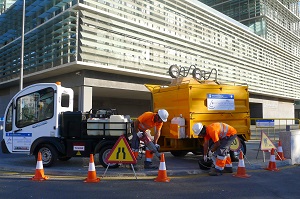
column 131, row 168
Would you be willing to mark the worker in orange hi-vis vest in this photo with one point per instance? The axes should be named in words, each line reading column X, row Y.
column 146, row 121
column 222, row 136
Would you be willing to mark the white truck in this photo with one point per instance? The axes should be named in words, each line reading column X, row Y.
column 40, row 118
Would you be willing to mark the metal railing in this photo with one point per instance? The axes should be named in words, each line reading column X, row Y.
column 272, row 126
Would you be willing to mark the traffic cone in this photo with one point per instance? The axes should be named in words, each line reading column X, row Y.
column 280, row 155
column 272, row 163
column 92, row 177
column 39, row 170
column 241, row 170
column 162, row 172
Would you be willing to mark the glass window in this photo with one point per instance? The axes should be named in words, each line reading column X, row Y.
column 8, row 119
column 65, row 98
column 35, row 107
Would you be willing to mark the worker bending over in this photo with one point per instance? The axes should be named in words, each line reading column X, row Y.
column 148, row 120
column 222, row 136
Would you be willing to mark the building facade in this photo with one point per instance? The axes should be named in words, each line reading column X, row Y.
column 5, row 4
column 276, row 21
column 107, row 50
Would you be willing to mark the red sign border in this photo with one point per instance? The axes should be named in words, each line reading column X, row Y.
column 122, row 137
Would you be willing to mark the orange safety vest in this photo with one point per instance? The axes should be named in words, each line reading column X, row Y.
column 147, row 122
column 219, row 130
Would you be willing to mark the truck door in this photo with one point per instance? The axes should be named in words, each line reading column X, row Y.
column 34, row 117
column 7, row 130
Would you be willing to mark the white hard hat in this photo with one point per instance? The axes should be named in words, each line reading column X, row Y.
column 197, row 128
column 163, row 114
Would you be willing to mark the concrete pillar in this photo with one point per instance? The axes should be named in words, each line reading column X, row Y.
column 290, row 145
column 85, row 102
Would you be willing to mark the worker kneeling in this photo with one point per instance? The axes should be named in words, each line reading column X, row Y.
column 222, row 136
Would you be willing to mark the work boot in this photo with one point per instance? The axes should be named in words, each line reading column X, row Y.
column 215, row 172
column 148, row 165
column 227, row 170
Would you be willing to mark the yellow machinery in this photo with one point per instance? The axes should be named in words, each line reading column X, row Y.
column 189, row 101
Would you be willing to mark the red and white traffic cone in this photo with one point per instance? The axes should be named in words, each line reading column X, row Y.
column 241, row 170
column 39, row 170
column 272, row 162
column 280, row 155
column 162, row 172
column 92, row 177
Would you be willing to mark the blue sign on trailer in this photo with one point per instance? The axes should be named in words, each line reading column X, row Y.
column 220, row 102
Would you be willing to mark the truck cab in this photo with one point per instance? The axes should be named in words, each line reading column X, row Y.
column 33, row 114
column 40, row 118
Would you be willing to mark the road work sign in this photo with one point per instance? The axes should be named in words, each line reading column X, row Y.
column 121, row 152
column 265, row 143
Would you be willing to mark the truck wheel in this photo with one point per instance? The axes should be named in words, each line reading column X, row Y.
column 49, row 155
column 103, row 152
column 179, row 153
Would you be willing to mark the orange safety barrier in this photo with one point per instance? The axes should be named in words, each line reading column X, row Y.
column 280, row 155
column 272, row 162
column 92, row 177
column 39, row 170
column 162, row 172
column 241, row 170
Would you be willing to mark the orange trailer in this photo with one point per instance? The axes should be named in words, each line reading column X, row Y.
column 189, row 101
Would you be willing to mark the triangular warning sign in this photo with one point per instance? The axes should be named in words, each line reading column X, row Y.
column 121, row 152
column 265, row 143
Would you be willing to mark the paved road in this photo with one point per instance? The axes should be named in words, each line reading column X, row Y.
column 176, row 166
column 262, row 184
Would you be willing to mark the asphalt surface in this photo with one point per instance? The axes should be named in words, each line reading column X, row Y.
column 175, row 166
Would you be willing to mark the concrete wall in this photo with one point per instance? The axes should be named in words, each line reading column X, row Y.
column 275, row 108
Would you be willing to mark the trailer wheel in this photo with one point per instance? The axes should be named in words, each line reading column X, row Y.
column 179, row 153
column 64, row 158
column 103, row 152
column 235, row 155
column 198, row 151
column 49, row 154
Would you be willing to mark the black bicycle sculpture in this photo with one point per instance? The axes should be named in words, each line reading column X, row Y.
column 198, row 74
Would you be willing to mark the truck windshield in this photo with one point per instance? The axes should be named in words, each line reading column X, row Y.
column 34, row 107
